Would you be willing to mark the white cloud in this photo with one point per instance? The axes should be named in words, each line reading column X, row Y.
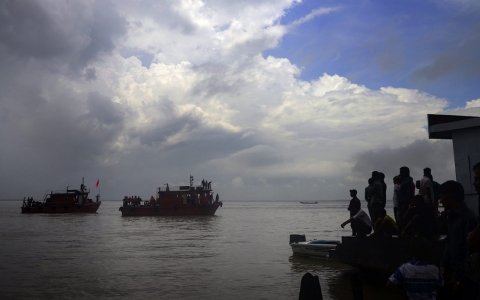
column 473, row 103
column 315, row 13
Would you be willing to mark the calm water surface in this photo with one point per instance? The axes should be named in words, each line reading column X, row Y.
column 240, row 253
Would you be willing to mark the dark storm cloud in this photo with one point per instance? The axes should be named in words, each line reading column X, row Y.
column 27, row 30
column 418, row 155
column 90, row 74
column 107, row 24
column 155, row 136
column 166, row 122
column 48, row 142
column 102, row 109
column 30, row 30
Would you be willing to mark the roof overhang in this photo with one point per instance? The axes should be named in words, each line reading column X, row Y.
column 442, row 126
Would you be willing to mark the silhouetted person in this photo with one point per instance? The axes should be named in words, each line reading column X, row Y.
column 396, row 187
column 381, row 176
column 418, row 278
column 376, row 196
column 420, row 218
column 385, row 225
column 426, row 187
column 353, row 207
column 361, row 223
column 404, row 196
column 472, row 267
column 355, row 202
column 368, row 197
column 460, row 221
column 436, row 195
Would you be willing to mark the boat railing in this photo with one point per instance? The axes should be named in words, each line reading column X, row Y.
column 68, row 191
column 182, row 188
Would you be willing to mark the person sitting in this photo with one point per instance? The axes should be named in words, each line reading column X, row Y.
column 385, row 225
column 361, row 223
column 418, row 278
column 422, row 221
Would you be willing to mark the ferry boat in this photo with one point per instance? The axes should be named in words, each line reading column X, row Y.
column 174, row 201
column 60, row 202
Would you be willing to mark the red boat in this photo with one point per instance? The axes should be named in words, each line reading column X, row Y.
column 174, row 201
column 71, row 201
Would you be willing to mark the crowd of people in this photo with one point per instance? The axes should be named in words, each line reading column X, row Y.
column 416, row 215
column 132, row 201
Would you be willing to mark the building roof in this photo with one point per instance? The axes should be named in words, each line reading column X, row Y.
column 441, row 126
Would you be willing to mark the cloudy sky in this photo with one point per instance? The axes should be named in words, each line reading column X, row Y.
column 269, row 100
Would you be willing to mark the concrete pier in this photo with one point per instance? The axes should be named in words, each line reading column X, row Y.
column 381, row 253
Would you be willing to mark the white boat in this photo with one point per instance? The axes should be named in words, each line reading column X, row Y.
column 318, row 248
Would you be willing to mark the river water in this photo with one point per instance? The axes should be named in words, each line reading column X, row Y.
column 240, row 253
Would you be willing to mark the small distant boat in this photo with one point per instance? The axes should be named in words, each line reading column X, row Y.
column 309, row 202
column 316, row 248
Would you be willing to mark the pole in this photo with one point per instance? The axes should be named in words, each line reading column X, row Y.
column 357, row 285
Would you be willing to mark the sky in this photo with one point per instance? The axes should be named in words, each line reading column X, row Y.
column 269, row 100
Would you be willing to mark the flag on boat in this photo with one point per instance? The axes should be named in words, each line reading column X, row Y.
column 98, row 182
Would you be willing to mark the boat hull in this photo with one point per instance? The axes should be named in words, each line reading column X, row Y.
column 174, row 210
column 314, row 248
column 84, row 208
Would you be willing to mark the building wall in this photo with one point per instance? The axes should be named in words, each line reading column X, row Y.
column 466, row 151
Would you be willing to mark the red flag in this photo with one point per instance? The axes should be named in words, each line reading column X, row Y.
column 98, row 182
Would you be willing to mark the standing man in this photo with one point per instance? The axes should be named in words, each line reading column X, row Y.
column 426, row 188
column 384, row 189
column 376, row 196
column 355, row 202
column 436, row 195
column 404, row 196
column 368, row 197
column 396, row 187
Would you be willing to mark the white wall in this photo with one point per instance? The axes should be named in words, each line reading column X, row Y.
column 466, row 151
